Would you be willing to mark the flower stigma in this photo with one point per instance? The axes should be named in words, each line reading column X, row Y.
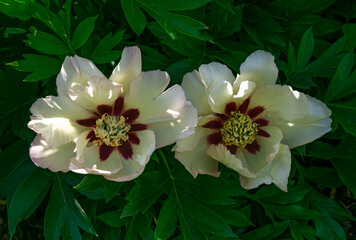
column 239, row 130
column 111, row 130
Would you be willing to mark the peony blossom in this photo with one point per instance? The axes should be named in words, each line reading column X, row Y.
column 248, row 123
column 108, row 126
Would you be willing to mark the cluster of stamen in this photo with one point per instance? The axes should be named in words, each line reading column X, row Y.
column 111, row 130
column 239, row 130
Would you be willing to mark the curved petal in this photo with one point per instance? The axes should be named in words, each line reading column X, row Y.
column 100, row 91
column 132, row 168
column 215, row 72
column 304, row 130
column 244, row 90
column 56, row 159
column 81, row 143
column 75, row 71
column 223, row 155
column 220, row 94
column 197, row 161
column 196, row 92
column 128, row 68
column 260, row 68
column 190, row 142
column 55, row 118
column 269, row 147
column 168, row 114
column 276, row 172
column 280, row 102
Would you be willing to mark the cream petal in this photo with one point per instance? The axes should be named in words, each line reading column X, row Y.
column 132, row 168
column 99, row 91
column 280, row 102
column 81, row 143
column 168, row 114
column 55, row 118
column 129, row 67
column 260, row 68
column 269, row 147
column 197, row 161
column 215, row 72
column 245, row 90
column 220, row 153
column 56, row 159
column 197, row 92
column 220, row 94
column 91, row 163
column 75, row 71
column 190, row 142
column 276, row 172
column 304, row 130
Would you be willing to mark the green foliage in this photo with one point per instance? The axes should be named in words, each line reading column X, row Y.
column 313, row 43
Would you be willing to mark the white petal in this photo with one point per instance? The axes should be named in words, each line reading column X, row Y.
column 197, row 161
column 220, row 94
column 215, row 72
column 304, row 130
column 276, row 172
column 81, row 143
column 128, row 68
column 99, row 91
column 91, row 163
column 280, row 102
column 55, row 118
column 190, row 142
column 197, row 92
column 245, row 89
column 260, row 68
column 220, row 153
column 56, row 159
column 269, row 147
column 76, row 71
column 132, row 168
column 168, row 114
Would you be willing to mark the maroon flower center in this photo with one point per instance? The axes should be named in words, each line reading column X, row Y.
column 238, row 127
column 114, row 128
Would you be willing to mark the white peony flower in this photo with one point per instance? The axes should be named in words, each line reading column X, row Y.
column 108, row 126
column 248, row 123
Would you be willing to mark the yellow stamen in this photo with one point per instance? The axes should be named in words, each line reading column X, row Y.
column 111, row 130
column 239, row 130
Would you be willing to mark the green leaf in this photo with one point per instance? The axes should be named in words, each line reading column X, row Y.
column 345, row 114
column 19, row 9
column 64, row 212
column 226, row 24
column 41, row 66
column 167, row 219
column 114, row 219
column 47, row 43
column 83, row 32
column 207, row 219
column 342, row 84
column 292, row 212
column 321, row 150
column 349, row 31
column 147, row 190
column 270, row 231
column 306, row 48
column 322, row 175
column 271, row 194
column 177, row 5
column 302, row 231
column 28, row 197
column 134, row 16
column 234, row 217
column 329, row 229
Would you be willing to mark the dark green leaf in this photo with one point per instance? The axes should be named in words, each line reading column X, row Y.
column 270, row 231
column 306, row 48
column 83, row 32
column 134, row 16
column 47, row 43
column 114, row 219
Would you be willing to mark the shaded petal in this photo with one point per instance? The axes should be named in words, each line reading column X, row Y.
column 215, row 72
column 196, row 91
column 76, row 71
column 276, row 172
column 190, row 142
column 197, row 161
column 100, row 91
column 308, row 128
column 220, row 94
column 222, row 154
column 90, row 162
column 142, row 153
column 55, row 118
column 82, row 141
column 259, row 68
column 56, row 159
column 269, row 147
column 128, row 68
column 279, row 102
